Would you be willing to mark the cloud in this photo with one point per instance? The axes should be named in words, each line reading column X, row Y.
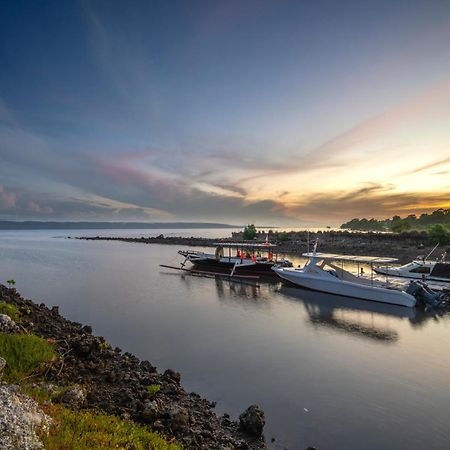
column 432, row 165
column 20, row 201
column 7, row 199
column 349, row 147
column 373, row 200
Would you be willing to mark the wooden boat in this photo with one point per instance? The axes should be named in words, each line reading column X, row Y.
column 237, row 258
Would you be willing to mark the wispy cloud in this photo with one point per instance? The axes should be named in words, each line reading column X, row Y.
column 373, row 200
column 432, row 165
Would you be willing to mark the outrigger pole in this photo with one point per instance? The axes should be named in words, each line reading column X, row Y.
column 218, row 274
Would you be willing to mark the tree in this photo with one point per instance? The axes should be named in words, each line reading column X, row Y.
column 11, row 283
column 250, row 232
column 399, row 226
column 438, row 234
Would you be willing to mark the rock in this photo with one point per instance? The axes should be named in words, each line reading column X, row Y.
column 7, row 325
column 172, row 375
column 252, row 420
column 150, row 411
column 74, row 396
column 158, row 426
column 87, row 329
column 178, row 418
column 2, row 366
column 19, row 417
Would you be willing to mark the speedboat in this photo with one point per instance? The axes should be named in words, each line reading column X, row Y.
column 321, row 274
column 237, row 258
column 420, row 268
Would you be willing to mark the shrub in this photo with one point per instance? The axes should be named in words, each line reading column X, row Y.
column 9, row 310
column 438, row 234
column 82, row 430
column 400, row 227
column 154, row 388
column 23, row 353
column 284, row 236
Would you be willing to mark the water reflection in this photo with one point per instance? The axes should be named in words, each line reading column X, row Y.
column 369, row 320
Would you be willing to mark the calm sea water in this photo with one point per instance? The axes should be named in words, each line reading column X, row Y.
column 328, row 371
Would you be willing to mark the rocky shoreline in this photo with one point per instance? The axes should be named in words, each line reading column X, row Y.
column 404, row 246
column 119, row 383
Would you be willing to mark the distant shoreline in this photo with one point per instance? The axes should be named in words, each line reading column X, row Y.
column 405, row 246
column 37, row 225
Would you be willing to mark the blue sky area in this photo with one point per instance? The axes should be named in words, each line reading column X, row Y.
column 283, row 112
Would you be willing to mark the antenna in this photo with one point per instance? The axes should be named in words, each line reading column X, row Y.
column 429, row 254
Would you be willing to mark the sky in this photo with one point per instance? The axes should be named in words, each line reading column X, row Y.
column 294, row 113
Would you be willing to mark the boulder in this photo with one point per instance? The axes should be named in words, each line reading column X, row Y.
column 20, row 416
column 172, row 375
column 150, row 411
column 7, row 325
column 252, row 420
column 2, row 366
column 74, row 396
column 178, row 418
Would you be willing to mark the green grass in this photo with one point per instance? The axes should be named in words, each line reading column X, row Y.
column 90, row 430
column 154, row 388
column 24, row 353
column 41, row 393
column 9, row 310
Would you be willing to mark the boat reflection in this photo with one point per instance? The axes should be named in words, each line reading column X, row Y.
column 364, row 319
column 227, row 289
column 378, row 322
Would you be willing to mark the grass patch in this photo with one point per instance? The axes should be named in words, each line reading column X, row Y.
column 23, row 353
column 42, row 393
column 154, row 388
column 89, row 430
column 9, row 310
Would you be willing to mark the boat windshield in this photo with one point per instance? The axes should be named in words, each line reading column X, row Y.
column 353, row 258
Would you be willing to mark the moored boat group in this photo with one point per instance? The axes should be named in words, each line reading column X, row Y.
column 325, row 272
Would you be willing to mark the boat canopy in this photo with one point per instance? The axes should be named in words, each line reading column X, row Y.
column 354, row 258
column 244, row 245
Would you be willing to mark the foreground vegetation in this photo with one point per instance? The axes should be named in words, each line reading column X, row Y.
column 91, row 430
column 24, row 353
column 9, row 310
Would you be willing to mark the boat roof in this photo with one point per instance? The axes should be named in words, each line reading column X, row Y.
column 354, row 258
column 244, row 244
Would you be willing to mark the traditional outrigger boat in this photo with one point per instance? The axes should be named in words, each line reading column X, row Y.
column 237, row 258
column 421, row 268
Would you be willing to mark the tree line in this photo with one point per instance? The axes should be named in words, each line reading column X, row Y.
column 437, row 224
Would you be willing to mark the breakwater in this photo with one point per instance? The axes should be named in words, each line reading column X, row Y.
column 404, row 246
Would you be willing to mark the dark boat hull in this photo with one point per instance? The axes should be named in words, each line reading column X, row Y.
column 259, row 269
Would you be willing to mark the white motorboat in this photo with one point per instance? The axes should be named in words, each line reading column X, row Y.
column 320, row 274
column 421, row 268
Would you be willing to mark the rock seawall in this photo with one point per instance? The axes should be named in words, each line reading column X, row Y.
column 121, row 384
column 404, row 246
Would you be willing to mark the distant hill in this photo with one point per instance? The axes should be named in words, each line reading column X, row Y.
column 37, row 225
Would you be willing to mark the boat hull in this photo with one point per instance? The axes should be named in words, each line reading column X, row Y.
column 257, row 269
column 392, row 272
column 333, row 285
